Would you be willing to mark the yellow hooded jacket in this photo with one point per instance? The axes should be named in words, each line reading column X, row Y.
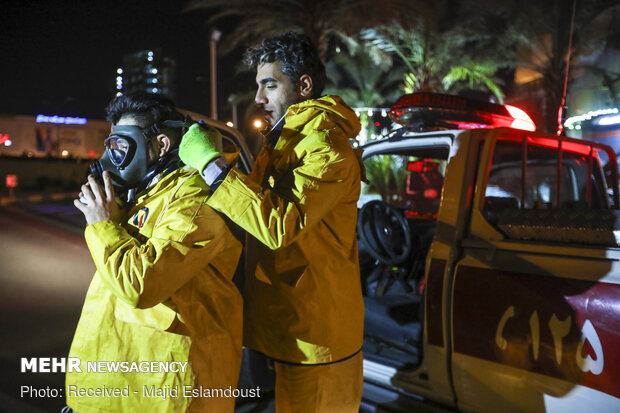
column 163, row 292
column 303, row 301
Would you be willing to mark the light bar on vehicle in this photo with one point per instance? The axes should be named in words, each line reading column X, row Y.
column 425, row 111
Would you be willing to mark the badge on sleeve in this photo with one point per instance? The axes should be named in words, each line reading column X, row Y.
column 140, row 217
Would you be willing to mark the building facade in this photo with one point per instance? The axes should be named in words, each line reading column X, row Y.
column 43, row 135
column 147, row 71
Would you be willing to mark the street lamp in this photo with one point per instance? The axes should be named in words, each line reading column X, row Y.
column 215, row 37
column 233, row 100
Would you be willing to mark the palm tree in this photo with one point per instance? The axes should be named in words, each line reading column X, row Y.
column 448, row 60
column 610, row 81
column 364, row 77
column 540, row 30
column 318, row 19
column 386, row 174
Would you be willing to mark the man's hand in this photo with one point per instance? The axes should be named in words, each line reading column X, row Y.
column 95, row 204
column 200, row 145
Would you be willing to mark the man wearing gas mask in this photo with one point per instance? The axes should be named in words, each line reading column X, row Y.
column 163, row 289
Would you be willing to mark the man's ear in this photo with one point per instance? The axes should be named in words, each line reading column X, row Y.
column 304, row 88
column 165, row 143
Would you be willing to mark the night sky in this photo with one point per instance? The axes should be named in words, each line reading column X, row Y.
column 60, row 57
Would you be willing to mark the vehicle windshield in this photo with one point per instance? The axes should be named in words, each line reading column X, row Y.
column 408, row 182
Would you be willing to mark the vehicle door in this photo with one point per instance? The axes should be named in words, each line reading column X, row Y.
column 536, row 290
column 231, row 137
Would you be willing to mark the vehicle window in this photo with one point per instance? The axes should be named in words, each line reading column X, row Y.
column 408, row 182
column 531, row 181
column 537, row 191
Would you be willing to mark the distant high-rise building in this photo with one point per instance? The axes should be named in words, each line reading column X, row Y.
column 147, row 71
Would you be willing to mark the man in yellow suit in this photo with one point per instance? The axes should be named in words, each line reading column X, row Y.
column 303, row 302
column 163, row 289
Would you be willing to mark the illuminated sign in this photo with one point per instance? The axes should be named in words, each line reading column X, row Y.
column 609, row 120
column 574, row 121
column 67, row 120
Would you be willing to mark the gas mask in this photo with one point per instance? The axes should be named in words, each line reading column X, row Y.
column 127, row 150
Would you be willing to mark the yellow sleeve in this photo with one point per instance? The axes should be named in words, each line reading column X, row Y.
column 144, row 274
column 276, row 217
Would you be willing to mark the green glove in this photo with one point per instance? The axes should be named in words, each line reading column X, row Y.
column 200, row 145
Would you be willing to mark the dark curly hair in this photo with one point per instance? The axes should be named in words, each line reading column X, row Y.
column 146, row 108
column 297, row 55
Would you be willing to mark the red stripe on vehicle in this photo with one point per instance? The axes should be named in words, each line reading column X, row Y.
column 558, row 327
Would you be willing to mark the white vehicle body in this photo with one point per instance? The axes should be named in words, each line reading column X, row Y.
column 519, row 315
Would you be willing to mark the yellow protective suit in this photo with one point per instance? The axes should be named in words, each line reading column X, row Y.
column 303, row 301
column 163, row 291
column 325, row 388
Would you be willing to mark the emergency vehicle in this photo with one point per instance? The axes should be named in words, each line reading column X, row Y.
column 490, row 261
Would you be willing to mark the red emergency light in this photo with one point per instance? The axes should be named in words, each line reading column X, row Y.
column 426, row 111
column 11, row 181
column 422, row 166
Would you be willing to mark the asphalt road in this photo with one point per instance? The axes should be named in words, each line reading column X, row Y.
column 45, row 271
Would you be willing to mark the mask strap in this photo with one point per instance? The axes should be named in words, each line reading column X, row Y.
column 168, row 163
column 181, row 125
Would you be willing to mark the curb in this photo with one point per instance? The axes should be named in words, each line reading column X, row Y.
column 35, row 198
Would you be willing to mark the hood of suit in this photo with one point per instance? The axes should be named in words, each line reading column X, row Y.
column 311, row 114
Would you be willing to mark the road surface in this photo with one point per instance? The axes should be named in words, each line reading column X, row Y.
column 45, row 270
